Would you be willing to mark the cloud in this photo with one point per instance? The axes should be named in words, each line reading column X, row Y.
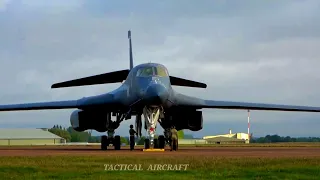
column 4, row 4
column 250, row 51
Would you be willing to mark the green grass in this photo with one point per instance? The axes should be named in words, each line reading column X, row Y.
column 86, row 167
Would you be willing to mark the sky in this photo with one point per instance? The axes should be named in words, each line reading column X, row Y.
column 248, row 51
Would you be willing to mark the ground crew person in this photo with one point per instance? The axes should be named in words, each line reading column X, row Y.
column 174, row 138
column 132, row 132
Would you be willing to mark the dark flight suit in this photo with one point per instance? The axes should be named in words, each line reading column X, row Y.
column 174, row 138
column 132, row 132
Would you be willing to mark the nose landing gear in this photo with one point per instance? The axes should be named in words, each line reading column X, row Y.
column 152, row 115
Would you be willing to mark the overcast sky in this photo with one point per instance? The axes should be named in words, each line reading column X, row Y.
column 252, row 51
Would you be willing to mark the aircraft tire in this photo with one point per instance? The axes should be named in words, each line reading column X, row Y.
column 147, row 144
column 117, row 142
column 104, row 142
column 156, row 143
column 161, row 142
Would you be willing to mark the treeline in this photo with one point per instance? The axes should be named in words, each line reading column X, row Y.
column 70, row 135
column 276, row 138
column 73, row 136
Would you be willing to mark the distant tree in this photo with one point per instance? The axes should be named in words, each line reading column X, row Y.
column 180, row 134
column 287, row 139
column 78, row 136
column 124, row 140
column 61, row 133
column 141, row 140
column 251, row 138
column 72, row 135
column 277, row 138
column 94, row 139
column 188, row 136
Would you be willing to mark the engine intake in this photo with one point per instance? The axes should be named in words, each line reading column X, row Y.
column 83, row 120
column 188, row 119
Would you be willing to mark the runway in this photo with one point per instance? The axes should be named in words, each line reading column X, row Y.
column 271, row 152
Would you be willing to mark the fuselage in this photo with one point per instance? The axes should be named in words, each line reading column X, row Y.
column 147, row 83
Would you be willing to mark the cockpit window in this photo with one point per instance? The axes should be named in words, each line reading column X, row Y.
column 160, row 71
column 146, row 71
column 152, row 71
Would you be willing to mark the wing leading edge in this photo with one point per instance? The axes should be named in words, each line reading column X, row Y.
column 94, row 101
column 257, row 106
column 40, row 106
column 187, row 101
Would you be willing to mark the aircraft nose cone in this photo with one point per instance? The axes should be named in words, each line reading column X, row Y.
column 156, row 94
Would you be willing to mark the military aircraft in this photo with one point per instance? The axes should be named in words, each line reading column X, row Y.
column 146, row 90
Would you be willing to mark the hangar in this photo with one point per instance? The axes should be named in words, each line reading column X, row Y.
column 231, row 138
column 21, row 136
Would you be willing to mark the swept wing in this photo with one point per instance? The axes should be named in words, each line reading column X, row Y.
column 187, row 101
column 101, row 100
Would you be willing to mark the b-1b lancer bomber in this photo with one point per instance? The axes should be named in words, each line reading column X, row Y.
column 146, row 90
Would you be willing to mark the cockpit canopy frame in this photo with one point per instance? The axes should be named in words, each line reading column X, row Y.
column 149, row 71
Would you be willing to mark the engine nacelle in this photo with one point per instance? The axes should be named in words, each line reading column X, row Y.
column 84, row 120
column 191, row 120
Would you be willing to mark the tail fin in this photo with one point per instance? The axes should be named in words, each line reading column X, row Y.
column 111, row 77
column 130, row 50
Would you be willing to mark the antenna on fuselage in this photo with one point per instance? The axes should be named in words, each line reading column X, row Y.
column 130, row 50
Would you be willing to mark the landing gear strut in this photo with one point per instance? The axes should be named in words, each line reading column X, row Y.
column 138, row 125
column 106, row 141
column 151, row 116
column 167, row 136
column 111, row 139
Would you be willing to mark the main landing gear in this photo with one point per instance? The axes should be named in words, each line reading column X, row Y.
column 106, row 141
column 168, row 139
column 152, row 115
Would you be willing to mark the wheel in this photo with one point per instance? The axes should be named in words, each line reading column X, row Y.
column 117, row 142
column 108, row 141
column 155, row 143
column 146, row 143
column 104, row 142
column 161, row 142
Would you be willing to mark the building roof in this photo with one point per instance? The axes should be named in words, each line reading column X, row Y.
column 22, row 133
column 234, row 135
column 224, row 139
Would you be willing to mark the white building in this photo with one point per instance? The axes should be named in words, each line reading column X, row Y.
column 234, row 136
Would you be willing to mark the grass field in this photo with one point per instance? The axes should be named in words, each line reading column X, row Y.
column 65, row 167
column 200, row 166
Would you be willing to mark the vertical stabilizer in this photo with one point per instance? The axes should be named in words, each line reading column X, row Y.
column 130, row 50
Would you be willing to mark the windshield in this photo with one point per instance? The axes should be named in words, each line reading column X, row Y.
column 160, row 71
column 145, row 71
column 152, row 71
